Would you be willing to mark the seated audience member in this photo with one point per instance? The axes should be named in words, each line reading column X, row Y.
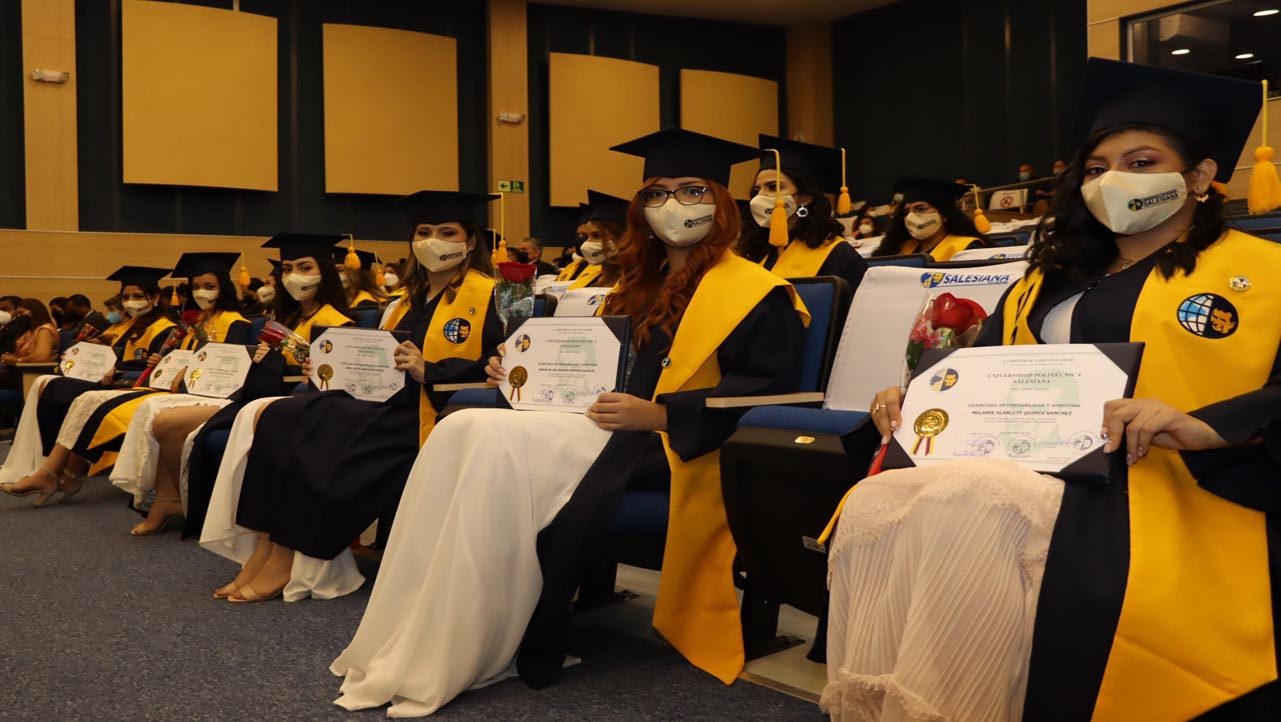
column 113, row 311
column 250, row 303
column 81, row 312
column 567, row 256
column 391, row 276
column 929, row 221
column 814, row 244
column 38, row 343
column 580, row 262
column 57, row 306
column 530, row 250
column 1155, row 599
column 729, row 326
column 358, row 284
column 9, row 304
column 603, row 221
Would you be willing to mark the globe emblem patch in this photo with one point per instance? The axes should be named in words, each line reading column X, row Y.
column 457, row 330
column 1208, row 315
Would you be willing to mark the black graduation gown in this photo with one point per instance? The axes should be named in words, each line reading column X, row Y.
column 324, row 466
column 844, row 262
column 761, row 356
column 1088, row 563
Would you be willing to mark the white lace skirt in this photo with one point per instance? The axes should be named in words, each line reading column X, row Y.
column 135, row 469
column 81, row 409
column 26, row 453
column 309, row 577
column 934, row 577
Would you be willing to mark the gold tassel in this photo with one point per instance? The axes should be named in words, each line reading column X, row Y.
column 244, row 280
column 380, row 279
column 1264, row 191
column 843, row 200
column 352, row 262
column 778, row 217
column 501, row 253
column 174, row 300
column 980, row 221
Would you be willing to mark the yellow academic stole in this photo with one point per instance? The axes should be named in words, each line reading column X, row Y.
column 326, row 316
column 946, row 248
column 139, row 350
column 217, row 327
column 587, row 277
column 697, row 609
column 567, row 273
column 798, row 260
column 1196, row 624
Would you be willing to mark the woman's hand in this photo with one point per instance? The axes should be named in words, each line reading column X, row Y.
column 1140, row 424
column 109, row 378
column 886, row 408
column 409, row 358
column 152, row 360
column 306, row 367
column 9, row 359
column 494, row 369
column 624, row 412
column 261, row 352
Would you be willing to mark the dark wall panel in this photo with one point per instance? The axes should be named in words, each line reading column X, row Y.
column 948, row 88
column 669, row 43
column 13, row 200
column 301, row 203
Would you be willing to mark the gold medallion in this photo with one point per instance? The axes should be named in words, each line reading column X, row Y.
column 517, row 378
column 929, row 424
column 325, row 373
column 195, row 375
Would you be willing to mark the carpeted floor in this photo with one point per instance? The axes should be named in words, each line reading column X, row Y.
column 102, row 626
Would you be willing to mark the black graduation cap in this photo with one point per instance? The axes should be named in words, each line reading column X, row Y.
column 490, row 236
column 445, row 207
column 275, row 265
column 937, row 193
column 141, row 276
column 303, row 245
column 583, row 209
column 604, row 207
column 1213, row 112
column 191, row 265
column 367, row 258
column 677, row 153
column 816, row 163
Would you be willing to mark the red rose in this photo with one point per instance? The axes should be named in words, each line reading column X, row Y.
column 191, row 318
column 513, row 272
column 955, row 313
column 271, row 336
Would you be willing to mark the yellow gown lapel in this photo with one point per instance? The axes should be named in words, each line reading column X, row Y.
column 456, row 330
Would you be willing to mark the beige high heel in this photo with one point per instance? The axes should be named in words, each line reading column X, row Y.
column 69, row 485
column 247, row 594
column 42, row 495
column 164, row 523
column 226, row 590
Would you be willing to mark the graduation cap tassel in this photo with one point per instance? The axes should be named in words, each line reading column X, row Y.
column 244, row 280
column 380, row 279
column 778, row 216
column 352, row 261
column 174, row 299
column 1264, row 192
column 843, row 200
column 980, row 221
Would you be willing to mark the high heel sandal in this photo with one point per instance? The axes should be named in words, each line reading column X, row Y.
column 226, row 590
column 164, row 523
column 247, row 594
column 42, row 495
column 69, row 485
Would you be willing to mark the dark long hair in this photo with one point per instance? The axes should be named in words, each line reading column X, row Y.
column 955, row 222
column 610, row 271
column 1075, row 244
column 363, row 280
column 289, row 312
column 228, row 293
column 414, row 279
column 814, row 229
column 40, row 314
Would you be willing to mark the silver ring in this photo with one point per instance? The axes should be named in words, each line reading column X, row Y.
column 877, row 408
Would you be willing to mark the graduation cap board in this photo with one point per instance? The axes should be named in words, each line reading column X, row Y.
column 191, row 265
column 445, row 207
column 304, row 245
column 680, row 153
column 367, row 258
column 141, row 276
column 818, row 164
column 604, row 207
column 939, row 194
column 1214, row 112
column 1040, row 407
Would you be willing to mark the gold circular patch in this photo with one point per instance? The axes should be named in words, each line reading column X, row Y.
column 518, row 377
column 930, row 423
column 325, row 372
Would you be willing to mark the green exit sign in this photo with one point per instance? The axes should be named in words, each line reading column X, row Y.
column 511, row 186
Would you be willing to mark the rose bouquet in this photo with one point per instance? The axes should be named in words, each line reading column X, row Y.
column 188, row 324
column 514, row 291
column 279, row 337
column 945, row 321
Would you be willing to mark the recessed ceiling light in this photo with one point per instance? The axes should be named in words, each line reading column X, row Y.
column 1180, row 51
column 1245, row 56
column 1265, row 13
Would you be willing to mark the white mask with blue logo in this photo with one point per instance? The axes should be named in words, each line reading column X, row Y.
column 1134, row 202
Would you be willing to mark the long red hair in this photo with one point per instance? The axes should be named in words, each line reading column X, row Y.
column 651, row 300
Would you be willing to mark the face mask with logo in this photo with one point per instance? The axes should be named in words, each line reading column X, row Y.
column 266, row 294
column 300, row 287
column 1134, row 202
column 866, row 230
column 923, row 225
column 1024, row 175
column 762, row 206
column 136, row 308
column 439, row 255
column 593, row 251
column 678, row 225
column 113, row 317
column 205, row 299
column 391, row 279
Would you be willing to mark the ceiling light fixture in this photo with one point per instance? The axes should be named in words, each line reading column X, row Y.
column 1265, row 13
column 1180, row 51
column 1245, row 56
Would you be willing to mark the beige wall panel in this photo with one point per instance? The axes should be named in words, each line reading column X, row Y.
column 1104, row 40
column 1098, row 10
column 810, row 116
column 597, row 103
column 49, row 115
column 509, row 93
column 199, row 96
column 391, row 110
column 733, row 107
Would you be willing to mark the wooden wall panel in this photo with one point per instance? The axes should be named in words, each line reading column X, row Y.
column 391, row 110
column 730, row 106
column 199, row 96
column 49, row 116
column 596, row 103
column 509, row 93
column 809, row 83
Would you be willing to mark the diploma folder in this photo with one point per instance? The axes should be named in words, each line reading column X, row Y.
column 621, row 326
column 1090, row 469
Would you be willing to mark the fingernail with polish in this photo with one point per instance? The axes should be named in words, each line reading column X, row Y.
column 1129, row 460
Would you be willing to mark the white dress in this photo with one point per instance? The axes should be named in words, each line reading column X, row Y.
column 934, row 576
column 26, row 454
column 309, row 577
column 81, row 410
column 460, row 578
column 135, row 469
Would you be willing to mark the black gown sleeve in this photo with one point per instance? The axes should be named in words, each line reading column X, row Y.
column 240, row 332
column 993, row 326
column 846, row 263
column 761, row 356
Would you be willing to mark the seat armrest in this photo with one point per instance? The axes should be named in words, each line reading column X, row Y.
column 744, row 402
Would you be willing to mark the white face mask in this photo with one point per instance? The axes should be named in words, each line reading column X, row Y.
column 342, row 278
column 763, row 206
column 136, row 308
column 302, row 288
column 593, row 251
column 923, row 225
column 205, row 299
column 1134, row 202
column 678, row 225
column 391, row 279
column 439, row 255
column 5, row 318
column 266, row 294
column 866, row 229
column 898, row 197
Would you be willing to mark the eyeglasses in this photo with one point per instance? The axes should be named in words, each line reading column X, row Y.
column 686, row 196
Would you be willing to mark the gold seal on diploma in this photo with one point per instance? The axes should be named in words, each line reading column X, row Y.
column 325, row 373
column 194, row 376
column 70, row 365
column 517, row 378
column 928, row 425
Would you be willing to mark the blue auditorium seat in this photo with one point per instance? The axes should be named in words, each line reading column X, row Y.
column 66, row 339
column 1008, row 240
column 256, row 323
column 367, row 317
column 914, row 260
column 1251, row 223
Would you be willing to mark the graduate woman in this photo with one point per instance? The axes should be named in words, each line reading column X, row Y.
column 466, row 568
column 358, row 284
column 814, row 244
column 603, row 223
column 325, row 465
column 962, row 590
column 138, row 337
column 929, row 221
column 589, row 246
